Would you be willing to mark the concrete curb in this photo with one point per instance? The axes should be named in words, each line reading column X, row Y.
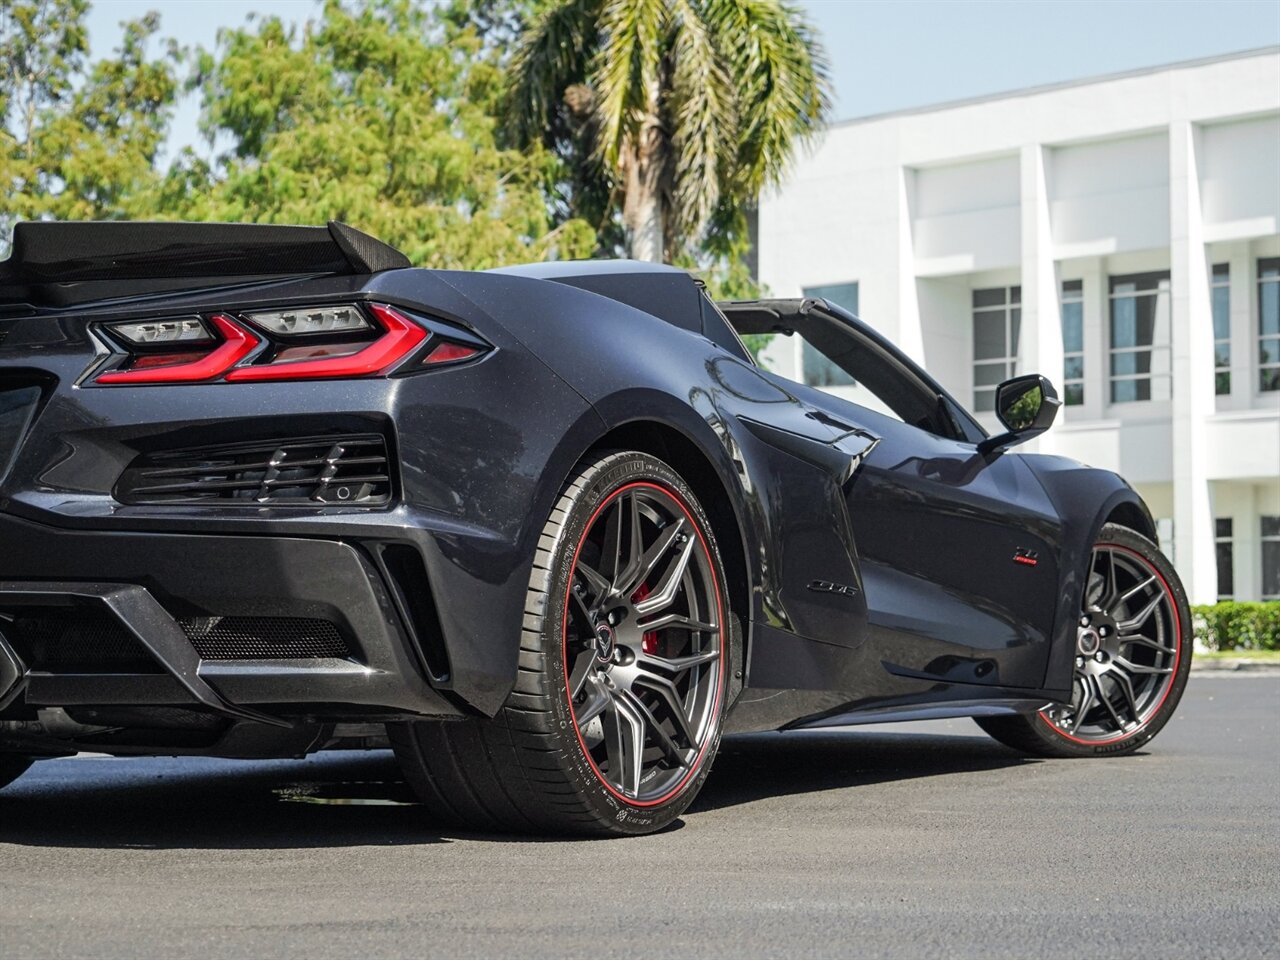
column 1242, row 665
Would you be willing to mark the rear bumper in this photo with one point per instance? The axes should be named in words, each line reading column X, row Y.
column 158, row 585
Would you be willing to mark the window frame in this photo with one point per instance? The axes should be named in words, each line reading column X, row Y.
column 1011, row 309
column 1264, row 539
column 1151, row 349
column 1268, row 371
column 1071, row 293
column 1220, row 280
column 1227, row 539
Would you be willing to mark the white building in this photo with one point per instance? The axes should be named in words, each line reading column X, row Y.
column 1120, row 235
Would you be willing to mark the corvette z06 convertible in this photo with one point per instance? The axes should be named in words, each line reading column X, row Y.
column 549, row 531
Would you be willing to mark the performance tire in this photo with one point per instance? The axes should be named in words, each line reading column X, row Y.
column 626, row 646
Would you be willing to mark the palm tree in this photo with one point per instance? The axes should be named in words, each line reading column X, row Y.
column 689, row 107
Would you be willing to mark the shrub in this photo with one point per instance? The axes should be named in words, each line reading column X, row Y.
column 1229, row 625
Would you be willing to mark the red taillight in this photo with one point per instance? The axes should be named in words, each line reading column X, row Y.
column 401, row 338
column 450, row 353
column 307, row 343
column 237, row 343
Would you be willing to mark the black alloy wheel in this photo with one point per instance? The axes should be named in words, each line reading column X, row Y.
column 1132, row 657
column 627, row 644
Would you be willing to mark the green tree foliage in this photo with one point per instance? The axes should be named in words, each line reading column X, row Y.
column 395, row 116
column 678, row 113
column 79, row 141
column 381, row 114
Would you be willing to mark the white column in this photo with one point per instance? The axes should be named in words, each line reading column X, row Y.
column 1192, row 369
column 1244, row 328
column 1246, row 547
column 1096, row 327
column 1040, row 343
column 910, row 338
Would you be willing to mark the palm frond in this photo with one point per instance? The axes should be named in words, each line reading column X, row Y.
column 553, row 52
column 703, row 114
column 783, row 82
column 626, row 69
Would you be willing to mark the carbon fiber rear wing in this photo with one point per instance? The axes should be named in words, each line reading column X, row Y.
column 60, row 264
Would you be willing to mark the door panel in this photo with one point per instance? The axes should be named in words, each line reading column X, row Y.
column 959, row 556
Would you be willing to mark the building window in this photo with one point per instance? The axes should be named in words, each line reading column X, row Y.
column 1220, row 295
column 1269, row 324
column 997, row 317
column 817, row 370
column 1271, row 558
column 1140, row 327
column 1226, row 570
column 1073, row 342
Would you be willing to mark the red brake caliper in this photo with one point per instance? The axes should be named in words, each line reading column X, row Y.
column 649, row 642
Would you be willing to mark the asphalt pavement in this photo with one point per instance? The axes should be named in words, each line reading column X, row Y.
column 902, row 841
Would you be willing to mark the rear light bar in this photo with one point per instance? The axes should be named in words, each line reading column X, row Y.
column 400, row 338
column 306, row 343
column 237, row 343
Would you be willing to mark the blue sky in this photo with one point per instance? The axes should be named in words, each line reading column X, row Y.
column 885, row 55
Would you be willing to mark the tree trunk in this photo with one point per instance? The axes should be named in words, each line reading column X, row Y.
column 642, row 211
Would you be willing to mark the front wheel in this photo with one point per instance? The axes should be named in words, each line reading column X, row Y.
column 1133, row 654
column 621, row 688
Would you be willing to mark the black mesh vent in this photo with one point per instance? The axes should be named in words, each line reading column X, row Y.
column 306, row 472
column 74, row 640
column 263, row 638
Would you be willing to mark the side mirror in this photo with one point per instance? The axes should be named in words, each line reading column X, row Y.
column 1027, row 407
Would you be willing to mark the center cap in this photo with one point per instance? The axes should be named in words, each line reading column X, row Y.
column 605, row 643
column 1089, row 641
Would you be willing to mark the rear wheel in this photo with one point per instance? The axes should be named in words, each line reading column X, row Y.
column 12, row 767
column 1133, row 654
column 618, row 703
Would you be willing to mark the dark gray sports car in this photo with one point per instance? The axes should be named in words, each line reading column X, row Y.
column 550, row 530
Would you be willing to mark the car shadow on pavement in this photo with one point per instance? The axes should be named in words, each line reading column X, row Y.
column 751, row 767
column 360, row 799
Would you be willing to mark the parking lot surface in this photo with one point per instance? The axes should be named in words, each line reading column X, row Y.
column 913, row 841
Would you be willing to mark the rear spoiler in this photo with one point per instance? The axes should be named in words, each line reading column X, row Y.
column 59, row 263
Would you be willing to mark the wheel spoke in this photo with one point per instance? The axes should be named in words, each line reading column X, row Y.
column 1106, row 702
column 1093, row 591
column 665, row 592
column 1086, row 702
column 624, row 743
column 678, row 665
column 1146, row 642
column 1136, row 589
column 581, row 671
column 667, row 745
column 625, row 536
column 665, row 689
column 1112, row 589
column 596, row 582
column 1126, row 690
column 679, row 620
column 642, row 568
column 1132, row 667
column 575, row 598
column 594, row 705
column 1141, row 617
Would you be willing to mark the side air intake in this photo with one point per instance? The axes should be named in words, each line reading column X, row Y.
column 314, row 471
